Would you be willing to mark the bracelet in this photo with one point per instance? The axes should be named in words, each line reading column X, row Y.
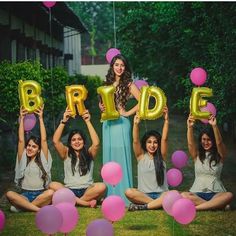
column 63, row 122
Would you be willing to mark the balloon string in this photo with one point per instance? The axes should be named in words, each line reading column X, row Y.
column 113, row 189
column 50, row 61
column 173, row 233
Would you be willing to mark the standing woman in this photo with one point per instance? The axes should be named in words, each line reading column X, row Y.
column 78, row 161
column 207, row 192
column 116, row 133
column 32, row 172
column 151, row 154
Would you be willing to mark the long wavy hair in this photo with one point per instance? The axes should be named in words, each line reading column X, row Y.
column 214, row 155
column 158, row 159
column 122, row 90
column 84, row 156
column 38, row 161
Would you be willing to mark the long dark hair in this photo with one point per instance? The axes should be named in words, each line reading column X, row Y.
column 158, row 160
column 122, row 90
column 38, row 161
column 84, row 156
column 214, row 155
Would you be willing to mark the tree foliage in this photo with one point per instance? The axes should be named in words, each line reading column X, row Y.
column 164, row 41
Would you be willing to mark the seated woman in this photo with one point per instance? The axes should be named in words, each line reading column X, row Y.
column 207, row 192
column 151, row 155
column 78, row 161
column 32, row 172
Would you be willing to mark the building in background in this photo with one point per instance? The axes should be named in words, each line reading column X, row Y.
column 29, row 32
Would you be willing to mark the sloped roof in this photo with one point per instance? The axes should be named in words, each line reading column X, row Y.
column 60, row 12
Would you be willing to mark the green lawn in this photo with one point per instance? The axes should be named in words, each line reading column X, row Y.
column 142, row 223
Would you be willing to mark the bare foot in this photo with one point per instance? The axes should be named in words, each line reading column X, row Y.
column 93, row 203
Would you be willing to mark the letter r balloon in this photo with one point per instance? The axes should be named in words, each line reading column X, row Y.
column 75, row 97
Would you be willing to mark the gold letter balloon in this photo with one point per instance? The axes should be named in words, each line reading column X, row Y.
column 197, row 101
column 160, row 102
column 75, row 97
column 107, row 94
column 29, row 95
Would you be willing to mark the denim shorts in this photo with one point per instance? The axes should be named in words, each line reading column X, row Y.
column 79, row 192
column 31, row 195
column 153, row 195
column 205, row 196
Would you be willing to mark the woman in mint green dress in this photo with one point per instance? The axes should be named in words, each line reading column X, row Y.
column 116, row 133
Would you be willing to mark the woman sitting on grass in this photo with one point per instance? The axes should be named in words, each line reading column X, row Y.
column 33, row 167
column 207, row 192
column 78, row 162
column 151, row 155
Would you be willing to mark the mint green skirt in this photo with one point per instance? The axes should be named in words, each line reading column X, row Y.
column 117, row 147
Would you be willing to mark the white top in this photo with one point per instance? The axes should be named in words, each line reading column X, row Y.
column 32, row 174
column 207, row 179
column 76, row 181
column 147, row 182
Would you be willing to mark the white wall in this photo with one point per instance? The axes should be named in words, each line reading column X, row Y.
column 100, row 70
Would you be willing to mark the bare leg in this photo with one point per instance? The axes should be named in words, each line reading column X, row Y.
column 21, row 202
column 156, row 203
column 137, row 197
column 94, row 192
column 219, row 201
column 43, row 199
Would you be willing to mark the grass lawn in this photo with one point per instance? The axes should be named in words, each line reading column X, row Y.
column 142, row 223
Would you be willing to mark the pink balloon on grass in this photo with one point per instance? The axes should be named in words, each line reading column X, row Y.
column 70, row 216
column 169, row 199
column 210, row 108
column 112, row 52
column 29, row 122
column 198, row 76
column 49, row 4
column 100, row 227
column 140, row 83
column 112, row 173
column 174, row 177
column 63, row 195
column 184, row 211
column 179, row 159
column 49, row 219
column 113, row 208
column 2, row 220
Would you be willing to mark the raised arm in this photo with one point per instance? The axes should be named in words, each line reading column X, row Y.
column 138, row 151
column 43, row 134
column 134, row 91
column 60, row 147
column 93, row 149
column 164, row 138
column 21, row 137
column 221, row 148
column 192, row 148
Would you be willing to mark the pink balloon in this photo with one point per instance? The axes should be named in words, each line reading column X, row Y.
column 112, row 52
column 210, row 108
column 63, row 195
column 113, row 208
column 29, row 122
column 100, row 227
column 174, row 177
column 70, row 216
column 179, row 159
column 169, row 199
column 112, row 173
column 140, row 83
column 48, row 219
column 49, row 4
column 184, row 211
column 198, row 76
column 2, row 220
